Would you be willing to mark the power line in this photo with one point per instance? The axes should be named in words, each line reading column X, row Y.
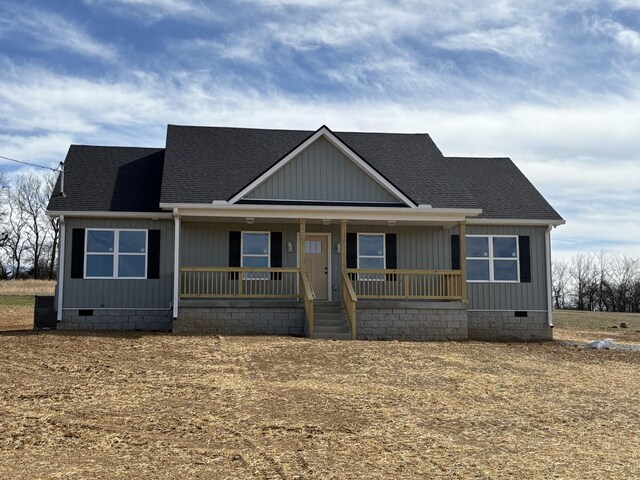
column 30, row 164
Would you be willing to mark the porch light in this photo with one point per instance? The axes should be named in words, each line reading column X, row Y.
column 326, row 221
column 250, row 220
column 289, row 247
column 391, row 223
column 338, row 248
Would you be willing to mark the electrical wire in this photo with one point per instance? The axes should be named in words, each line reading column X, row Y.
column 30, row 164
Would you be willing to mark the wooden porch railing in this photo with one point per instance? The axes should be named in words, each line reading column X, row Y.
column 212, row 282
column 308, row 296
column 349, row 301
column 406, row 284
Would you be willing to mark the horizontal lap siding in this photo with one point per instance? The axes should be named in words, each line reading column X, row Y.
column 121, row 293
column 321, row 172
column 513, row 296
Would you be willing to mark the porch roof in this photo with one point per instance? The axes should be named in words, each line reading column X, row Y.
column 294, row 213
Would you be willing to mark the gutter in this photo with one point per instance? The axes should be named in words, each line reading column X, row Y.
column 547, row 248
column 515, row 222
column 97, row 214
column 63, row 230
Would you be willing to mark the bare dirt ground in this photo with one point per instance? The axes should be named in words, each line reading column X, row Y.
column 164, row 406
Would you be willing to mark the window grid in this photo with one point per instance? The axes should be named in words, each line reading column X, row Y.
column 491, row 259
column 256, row 275
column 115, row 253
column 383, row 256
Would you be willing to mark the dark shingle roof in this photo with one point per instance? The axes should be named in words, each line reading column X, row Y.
column 202, row 164
column 117, row 179
column 222, row 161
column 501, row 189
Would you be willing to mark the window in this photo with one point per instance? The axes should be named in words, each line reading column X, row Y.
column 255, row 253
column 492, row 258
column 115, row 254
column 371, row 254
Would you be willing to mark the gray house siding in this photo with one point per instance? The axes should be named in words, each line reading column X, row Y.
column 205, row 244
column 321, row 172
column 513, row 296
column 418, row 247
column 120, row 293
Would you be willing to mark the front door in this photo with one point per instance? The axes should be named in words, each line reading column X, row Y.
column 317, row 264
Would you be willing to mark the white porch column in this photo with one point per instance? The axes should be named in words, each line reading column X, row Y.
column 303, row 252
column 176, row 261
column 463, row 260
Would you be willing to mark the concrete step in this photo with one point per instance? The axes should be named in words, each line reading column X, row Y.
column 332, row 328
column 333, row 336
column 330, row 321
column 328, row 304
column 323, row 309
column 329, row 314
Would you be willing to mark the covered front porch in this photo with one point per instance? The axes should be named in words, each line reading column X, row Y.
column 305, row 273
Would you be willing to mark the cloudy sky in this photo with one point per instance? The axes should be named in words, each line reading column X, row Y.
column 553, row 85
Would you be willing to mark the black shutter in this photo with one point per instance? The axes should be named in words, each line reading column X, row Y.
column 153, row 254
column 525, row 258
column 391, row 254
column 234, row 252
column 77, row 253
column 352, row 250
column 276, row 254
column 455, row 252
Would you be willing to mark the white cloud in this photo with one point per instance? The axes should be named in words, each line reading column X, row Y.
column 50, row 31
column 518, row 41
column 155, row 10
column 629, row 39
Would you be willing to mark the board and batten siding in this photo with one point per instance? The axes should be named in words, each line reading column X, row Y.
column 418, row 247
column 513, row 296
column 322, row 173
column 82, row 293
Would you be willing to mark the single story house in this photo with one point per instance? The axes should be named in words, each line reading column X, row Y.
column 325, row 234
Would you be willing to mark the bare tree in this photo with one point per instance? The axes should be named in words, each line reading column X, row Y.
column 15, row 234
column 560, row 276
column 54, row 226
column 582, row 274
column 31, row 198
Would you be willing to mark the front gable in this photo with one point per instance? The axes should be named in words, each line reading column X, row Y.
column 322, row 170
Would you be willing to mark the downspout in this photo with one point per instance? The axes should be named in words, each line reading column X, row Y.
column 60, row 302
column 547, row 248
column 176, row 261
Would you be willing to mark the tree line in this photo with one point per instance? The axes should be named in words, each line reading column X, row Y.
column 603, row 281
column 28, row 237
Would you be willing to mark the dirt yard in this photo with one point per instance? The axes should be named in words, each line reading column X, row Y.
column 164, row 406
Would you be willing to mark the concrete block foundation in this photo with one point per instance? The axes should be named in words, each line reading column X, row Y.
column 505, row 325
column 116, row 319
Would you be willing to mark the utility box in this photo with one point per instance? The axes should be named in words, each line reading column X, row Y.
column 44, row 314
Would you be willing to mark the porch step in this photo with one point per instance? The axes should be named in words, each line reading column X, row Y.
column 333, row 336
column 330, row 321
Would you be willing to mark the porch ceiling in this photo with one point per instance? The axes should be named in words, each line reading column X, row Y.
column 324, row 215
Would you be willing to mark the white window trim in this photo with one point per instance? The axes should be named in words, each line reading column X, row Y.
column 268, row 254
column 116, row 252
column 491, row 258
column 384, row 254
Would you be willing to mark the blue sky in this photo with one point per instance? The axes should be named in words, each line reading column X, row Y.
column 553, row 85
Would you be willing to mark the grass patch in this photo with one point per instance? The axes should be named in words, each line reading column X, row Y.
column 17, row 301
column 27, row 287
column 594, row 320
